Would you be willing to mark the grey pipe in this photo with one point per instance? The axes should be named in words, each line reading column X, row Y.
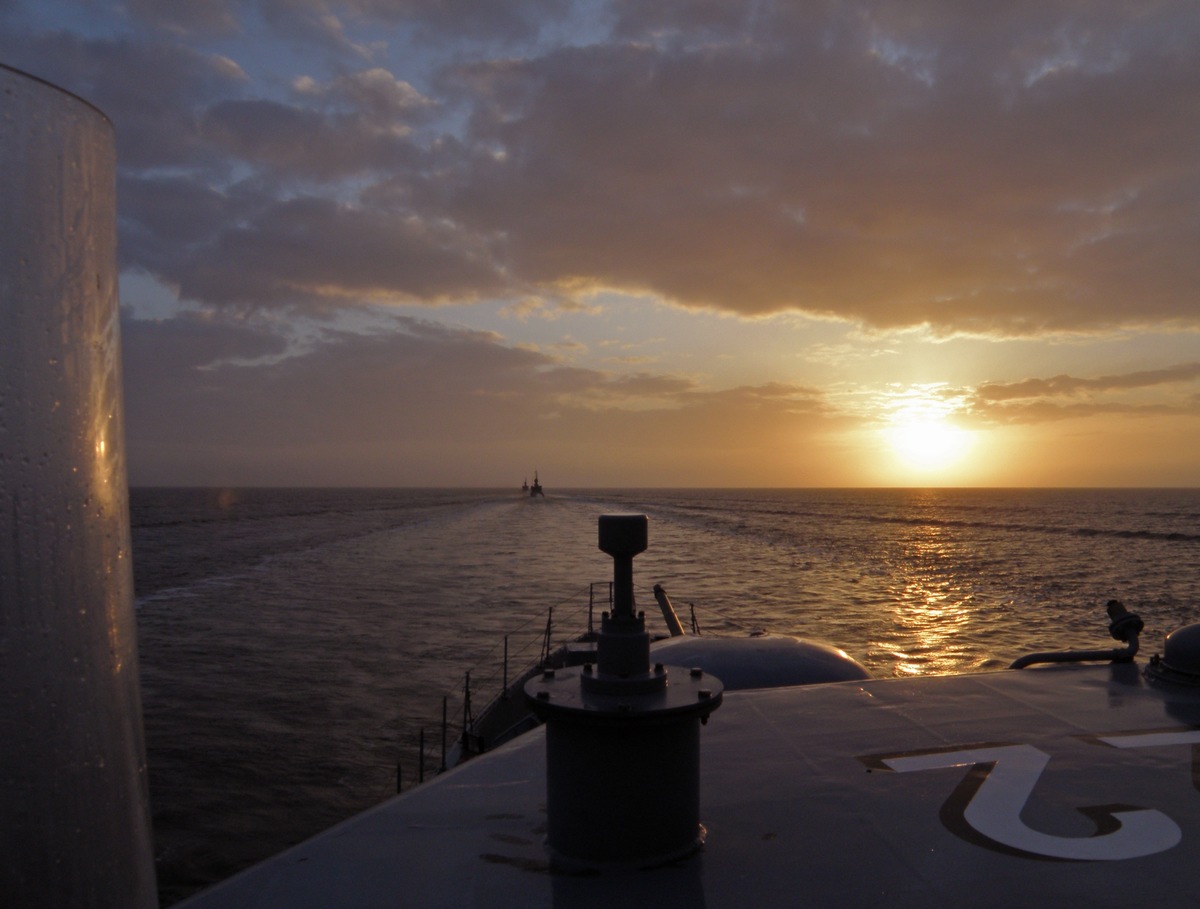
column 1116, row 655
column 1124, row 626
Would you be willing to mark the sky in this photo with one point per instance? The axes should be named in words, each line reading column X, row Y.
column 659, row 243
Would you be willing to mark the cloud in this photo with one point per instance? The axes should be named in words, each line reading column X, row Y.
column 821, row 169
column 314, row 22
column 315, row 251
column 1071, row 385
column 1004, row 168
column 292, row 141
column 204, row 16
column 375, row 92
column 162, row 217
column 1039, row 400
column 190, row 343
column 508, row 21
column 403, row 406
column 150, row 90
column 358, row 122
column 184, row 386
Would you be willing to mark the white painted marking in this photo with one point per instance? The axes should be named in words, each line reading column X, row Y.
column 1152, row 739
column 995, row 809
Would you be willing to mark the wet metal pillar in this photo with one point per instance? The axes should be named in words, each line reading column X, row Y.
column 73, row 788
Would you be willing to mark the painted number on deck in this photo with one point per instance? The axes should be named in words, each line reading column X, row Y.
column 986, row 807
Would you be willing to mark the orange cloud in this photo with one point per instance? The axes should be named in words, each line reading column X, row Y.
column 1061, row 397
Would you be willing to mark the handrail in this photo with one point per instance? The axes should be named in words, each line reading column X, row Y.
column 543, row 638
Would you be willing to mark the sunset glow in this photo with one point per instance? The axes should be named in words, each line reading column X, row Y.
column 646, row 244
column 928, row 444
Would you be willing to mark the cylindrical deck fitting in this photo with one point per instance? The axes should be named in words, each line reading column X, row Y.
column 623, row 772
column 623, row 647
column 622, row 738
column 623, row 536
column 76, row 830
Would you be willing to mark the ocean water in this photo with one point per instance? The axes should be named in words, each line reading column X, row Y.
column 295, row 643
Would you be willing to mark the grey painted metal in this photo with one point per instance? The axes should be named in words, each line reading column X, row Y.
column 623, row 536
column 1180, row 660
column 76, row 826
column 807, row 804
column 622, row 738
column 1124, row 626
column 1181, row 650
column 761, row 660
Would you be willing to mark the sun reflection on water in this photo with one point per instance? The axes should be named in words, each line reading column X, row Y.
column 933, row 609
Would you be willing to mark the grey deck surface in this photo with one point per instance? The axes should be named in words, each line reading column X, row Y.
column 977, row 790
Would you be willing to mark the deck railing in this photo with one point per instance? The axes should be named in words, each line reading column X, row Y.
column 452, row 740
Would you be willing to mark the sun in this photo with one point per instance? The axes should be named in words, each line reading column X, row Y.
column 924, row 439
column 924, row 434
column 925, row 444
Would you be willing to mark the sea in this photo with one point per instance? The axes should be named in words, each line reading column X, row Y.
column 305, row 653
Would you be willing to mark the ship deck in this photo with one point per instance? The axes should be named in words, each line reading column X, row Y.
column 1068, row 785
